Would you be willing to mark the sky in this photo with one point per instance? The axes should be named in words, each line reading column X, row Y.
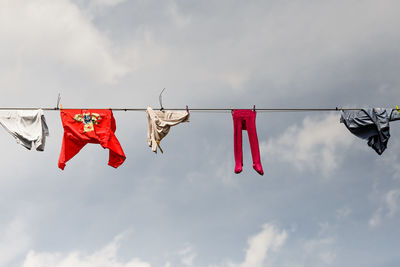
column 326, row 198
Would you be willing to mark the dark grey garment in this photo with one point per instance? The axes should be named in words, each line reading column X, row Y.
column 371, row 124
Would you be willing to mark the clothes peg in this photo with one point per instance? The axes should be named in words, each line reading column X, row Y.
column 160, row 100
column 397, row 108
column 58, row 101
column 231, row 109
column 254, row 108
column 187, row 109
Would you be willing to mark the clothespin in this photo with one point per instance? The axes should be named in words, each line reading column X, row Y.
column 160, row 99
column 187, row 109
column 231, row 109
column 397, row 108
column 58, row 101
column 254, row 108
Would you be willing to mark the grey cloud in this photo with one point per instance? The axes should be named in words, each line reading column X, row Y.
column 207, row 54
column 315, row 145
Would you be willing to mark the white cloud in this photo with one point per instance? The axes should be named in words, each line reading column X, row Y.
column 318, row 144
column 343, row 213
column 259, row 246
column 13, row 242
column 236, row 79
column 107, row 2
column 392, row 159
column 388, row 208
column 180, row 20
column 392, row 202
column 376, row 218
column 105, row 257
column 187, row 255
column 328, row 257
column 320, row 250
column 269, row 239
column 54, row 32
column 146, row 52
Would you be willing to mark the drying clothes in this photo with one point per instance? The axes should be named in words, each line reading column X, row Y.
column 27, row 127
column 371, row 124
column 95, row 126
column 246, row 120
column 159, row 124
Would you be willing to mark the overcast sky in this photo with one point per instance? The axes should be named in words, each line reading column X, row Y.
column 326, row 198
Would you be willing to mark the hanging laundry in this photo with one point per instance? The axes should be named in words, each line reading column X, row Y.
column 246, row 120
column 159, row 124
column 96, row 126
column 27, row 127
column 371, row 124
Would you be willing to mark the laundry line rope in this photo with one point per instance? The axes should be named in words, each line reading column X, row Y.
column 210, row 110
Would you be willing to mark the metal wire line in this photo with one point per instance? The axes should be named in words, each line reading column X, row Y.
column 195, row 109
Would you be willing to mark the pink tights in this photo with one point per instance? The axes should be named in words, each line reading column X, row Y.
column 246, row 120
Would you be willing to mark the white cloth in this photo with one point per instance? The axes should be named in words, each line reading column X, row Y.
column 159, row 123
column 26, row 126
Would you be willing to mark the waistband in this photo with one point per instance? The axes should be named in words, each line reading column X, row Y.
column 244, row 112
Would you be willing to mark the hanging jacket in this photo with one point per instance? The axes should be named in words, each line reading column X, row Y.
column 95, row 126
column 26, row 126
column 159, row 124
column 371, row 124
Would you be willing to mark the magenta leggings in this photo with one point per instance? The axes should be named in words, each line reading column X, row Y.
column 246, row 120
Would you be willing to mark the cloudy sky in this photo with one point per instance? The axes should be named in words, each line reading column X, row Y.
column 326, row 198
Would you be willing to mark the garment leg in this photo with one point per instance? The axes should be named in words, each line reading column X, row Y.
column 253, row 140
column 69, row 149
column 237, row 143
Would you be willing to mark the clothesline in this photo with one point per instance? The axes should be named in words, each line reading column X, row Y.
column 196, row 109
column 87, row 125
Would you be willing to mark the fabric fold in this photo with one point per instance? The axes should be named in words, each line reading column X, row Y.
column 26, row 126
column 159, row 124
column 371, row 124
column 96, row 126
column 244, row 119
